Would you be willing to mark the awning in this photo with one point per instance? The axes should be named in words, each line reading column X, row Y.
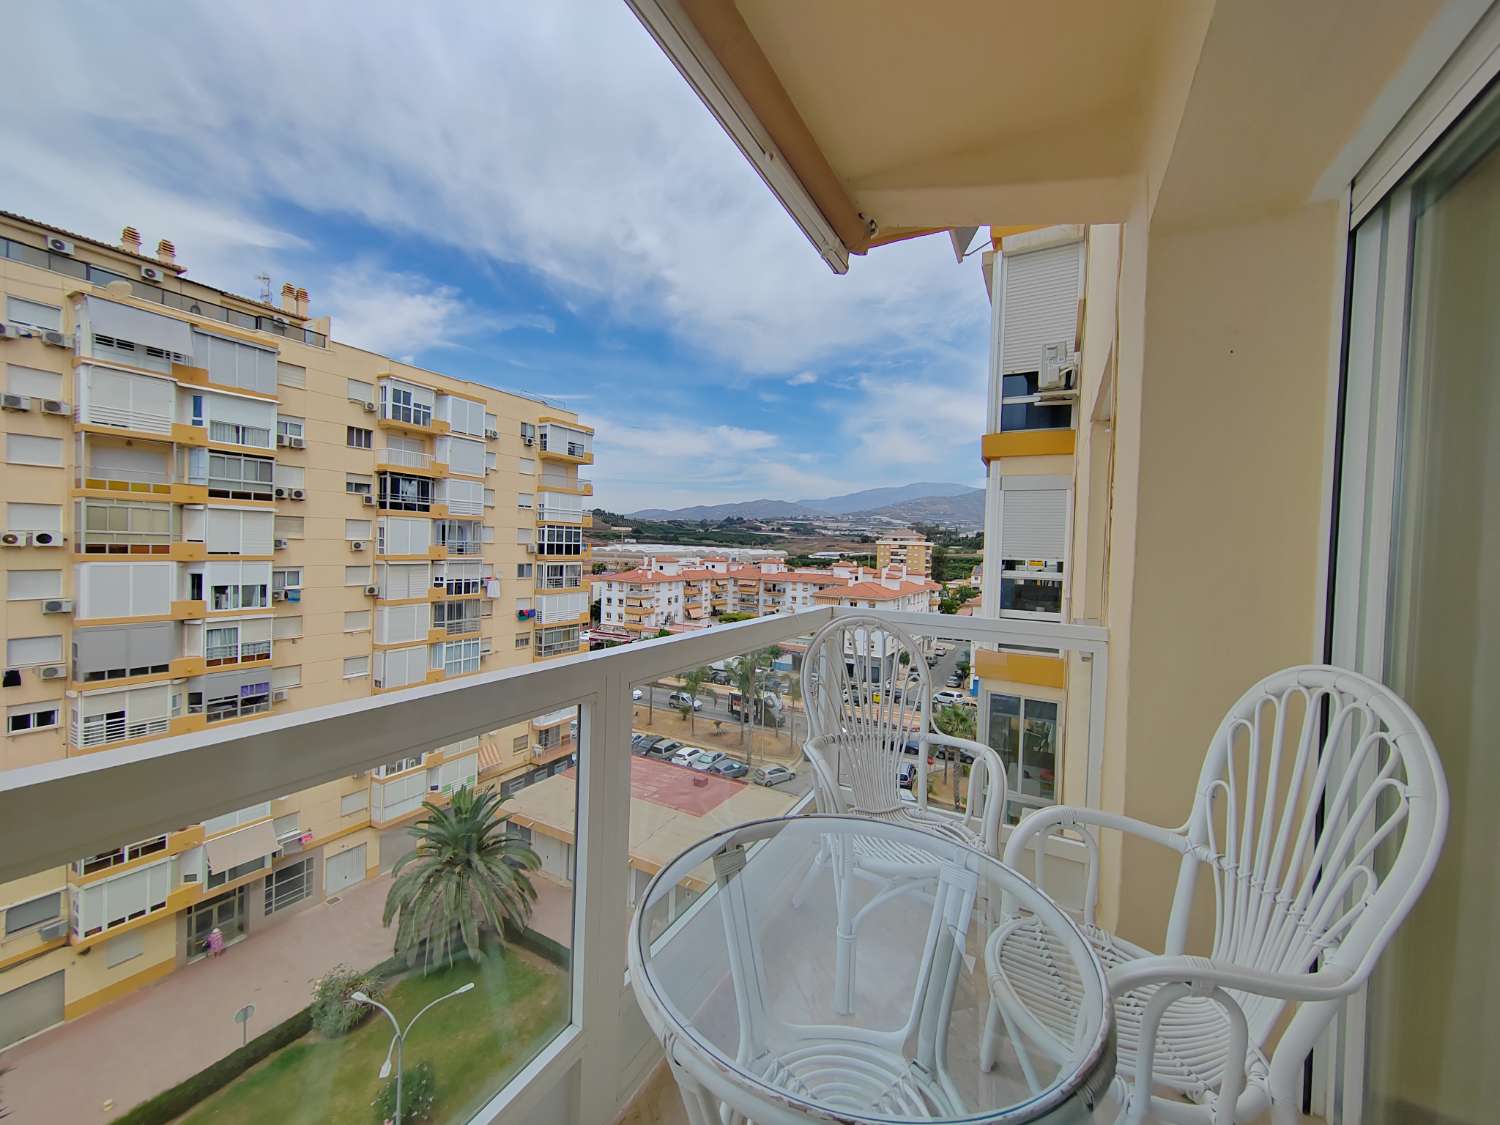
column 147, row 329
column 241, row 846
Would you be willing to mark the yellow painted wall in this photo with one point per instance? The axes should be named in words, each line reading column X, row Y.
column 1221, row 567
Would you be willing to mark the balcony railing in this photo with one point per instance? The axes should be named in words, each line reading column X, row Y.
column 138, row 792
column 416, row 414
column 86, row 734
column 232, row 653
column 406, row 458
column 463, row 547
column 64, row 264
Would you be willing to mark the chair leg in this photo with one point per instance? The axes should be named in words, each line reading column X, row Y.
column 989, row 1046
column 843, row 947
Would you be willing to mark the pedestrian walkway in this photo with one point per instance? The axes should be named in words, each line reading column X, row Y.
column 104, row 1063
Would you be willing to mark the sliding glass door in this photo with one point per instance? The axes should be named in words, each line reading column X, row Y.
column 1417, row 604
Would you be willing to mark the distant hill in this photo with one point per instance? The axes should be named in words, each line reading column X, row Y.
column 966, row 509
column 872, row 501
column 748, row 509
column 874, row 498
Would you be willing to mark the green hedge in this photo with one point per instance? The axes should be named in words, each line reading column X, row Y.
column 172, row 1104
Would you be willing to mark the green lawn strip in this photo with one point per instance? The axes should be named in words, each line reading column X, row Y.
column 475, row 1042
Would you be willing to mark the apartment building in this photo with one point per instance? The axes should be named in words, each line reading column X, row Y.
column 677, row 594
column 907, row 548
column 214, row 511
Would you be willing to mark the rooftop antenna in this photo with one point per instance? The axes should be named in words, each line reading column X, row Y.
column 265, row 287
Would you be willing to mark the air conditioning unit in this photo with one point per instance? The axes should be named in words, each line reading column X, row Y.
column 18, row 403
column 281, row 494
column 283, row 439
column 57, row 605
column 15, row 539
column 278, row 595
column 6, row 331
column 278, row 319
column 279, row 695
column 369, row 407
column 531, row 548
column 53, row 406
column 46, row 539
column 296, row 442
column 59, row 245
column 54, row 672
column 367, row 500
column 282, row 544
column 52, row 930
column 494, row 435
column 1059, row 368
column 372, row 591
column 151, row 273
column 56, row 339
column 298, row 494
column 356, row 544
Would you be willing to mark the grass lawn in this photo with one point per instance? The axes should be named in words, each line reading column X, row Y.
column 475, row 1042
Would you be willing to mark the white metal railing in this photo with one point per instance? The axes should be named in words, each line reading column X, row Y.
column 464, row 547
column 405, row 457
column 417, row 414
column 134, row 792
column 84, row 735
column 142, row 420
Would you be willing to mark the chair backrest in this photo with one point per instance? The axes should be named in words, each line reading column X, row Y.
column 854, row 686
column 1320, row 813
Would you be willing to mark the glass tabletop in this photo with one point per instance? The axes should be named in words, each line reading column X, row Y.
column 834, row 967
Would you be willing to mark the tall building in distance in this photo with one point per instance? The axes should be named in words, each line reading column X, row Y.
column 907, row 548
column 214, row 511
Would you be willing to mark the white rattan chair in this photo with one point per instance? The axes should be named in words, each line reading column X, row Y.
column 1319, row 815
column 862, row 715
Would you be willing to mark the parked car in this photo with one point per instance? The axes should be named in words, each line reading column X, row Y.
column 684, row 755
column 955, row 680
column 683, row 699
column 705, row 760
column 908, row 775
column 948, row 697
column 637, row 694
column 729, row 767
column 719, row 676
column 941, row 650
column 663, row 749
column 638, row 742
column 772, row 775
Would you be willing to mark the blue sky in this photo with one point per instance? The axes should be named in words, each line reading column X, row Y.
column 524, row 195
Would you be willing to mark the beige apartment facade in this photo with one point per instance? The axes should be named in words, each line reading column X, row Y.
column 213, row 511
column 907, row 548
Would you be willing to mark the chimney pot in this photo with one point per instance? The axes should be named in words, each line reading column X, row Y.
column 288, row 296
column 130, row 239
column 165, row 251
column 302, row 302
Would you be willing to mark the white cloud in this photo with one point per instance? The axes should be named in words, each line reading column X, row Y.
column 802, row 379
column 564, row 140
column 394, row 313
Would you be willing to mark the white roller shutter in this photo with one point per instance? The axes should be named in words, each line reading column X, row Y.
column 147, row 329
column 1034, row 524
column 1041, row 303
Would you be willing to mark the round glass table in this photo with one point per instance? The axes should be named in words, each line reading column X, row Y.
column 743, row 960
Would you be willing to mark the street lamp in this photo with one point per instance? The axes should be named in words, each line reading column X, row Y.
column 398, row 1041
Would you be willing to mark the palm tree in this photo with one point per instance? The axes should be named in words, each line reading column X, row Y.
column 692, row 684
column 745, row 673
column 792, row 688
column 464, row 873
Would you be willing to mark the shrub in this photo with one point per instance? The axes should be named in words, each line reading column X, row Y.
column 171, row 1104
column 418, row 1093
column 333, row 1012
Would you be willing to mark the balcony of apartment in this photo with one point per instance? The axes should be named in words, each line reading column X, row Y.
column 640, row 813
column 408, row 408
column 390, row 458
column 565, row 443
column 125, row 528
column 551, row 576
column 555, row 480
column 400, row 492
column 560, row 507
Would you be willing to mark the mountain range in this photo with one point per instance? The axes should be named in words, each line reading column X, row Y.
column 922, row 500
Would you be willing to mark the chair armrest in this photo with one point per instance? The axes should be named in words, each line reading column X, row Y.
column 984, row 805
column 1074, row 816
column 825, row 782
column 1203, row 974
column 1044, row 821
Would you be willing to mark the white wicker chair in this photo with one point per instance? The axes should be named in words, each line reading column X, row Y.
column 861, row 716
column 1312, row 772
